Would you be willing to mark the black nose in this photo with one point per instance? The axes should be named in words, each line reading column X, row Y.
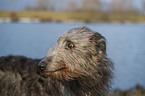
column 42, row 65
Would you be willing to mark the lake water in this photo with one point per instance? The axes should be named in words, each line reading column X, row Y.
column 125, row 45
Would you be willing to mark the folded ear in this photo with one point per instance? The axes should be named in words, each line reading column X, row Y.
column 99, row 42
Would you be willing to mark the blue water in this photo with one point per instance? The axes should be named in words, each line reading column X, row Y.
column 125, row 45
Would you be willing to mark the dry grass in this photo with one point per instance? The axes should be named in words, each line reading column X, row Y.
column 136, row 91
column 83, row 16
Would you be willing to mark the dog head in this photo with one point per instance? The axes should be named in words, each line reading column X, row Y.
column 79, row 52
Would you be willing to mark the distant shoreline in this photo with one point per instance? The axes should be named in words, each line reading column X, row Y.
column 70, row 17
column 36, row 20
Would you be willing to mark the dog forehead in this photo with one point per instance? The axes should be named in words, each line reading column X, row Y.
column 77, row 33
column 74, row 37
column 80, row 34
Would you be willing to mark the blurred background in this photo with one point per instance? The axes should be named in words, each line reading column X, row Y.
column 31, row 27
column 74, row 10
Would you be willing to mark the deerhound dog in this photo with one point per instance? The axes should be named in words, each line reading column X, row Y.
column 76, row 66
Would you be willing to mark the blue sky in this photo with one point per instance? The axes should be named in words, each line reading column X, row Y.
column 21, row 4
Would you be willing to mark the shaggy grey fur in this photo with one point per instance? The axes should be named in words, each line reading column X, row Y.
column 76, row 66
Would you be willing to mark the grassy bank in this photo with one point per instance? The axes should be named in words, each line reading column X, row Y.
column 135, row 91
column 80, row 16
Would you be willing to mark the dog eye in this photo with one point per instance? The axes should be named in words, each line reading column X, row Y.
column 70, row 45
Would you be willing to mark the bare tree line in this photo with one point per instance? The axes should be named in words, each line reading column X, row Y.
column 96, row 5
column 113, row 6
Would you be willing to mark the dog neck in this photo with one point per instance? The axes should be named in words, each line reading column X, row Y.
column 82, row 87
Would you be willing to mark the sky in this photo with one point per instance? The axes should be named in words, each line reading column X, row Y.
column 21, row 4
